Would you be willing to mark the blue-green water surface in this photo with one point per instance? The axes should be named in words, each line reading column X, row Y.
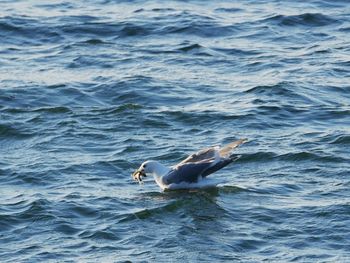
column 90, row 89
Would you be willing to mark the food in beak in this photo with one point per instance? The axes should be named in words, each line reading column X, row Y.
column 137, row 175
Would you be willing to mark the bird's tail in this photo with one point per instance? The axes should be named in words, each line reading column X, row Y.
column 227, row 149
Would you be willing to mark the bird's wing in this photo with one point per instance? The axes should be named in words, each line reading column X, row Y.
column 227, row 149
column 213, row 152
column 203, row 163
column 189, row 172
column 202, row 155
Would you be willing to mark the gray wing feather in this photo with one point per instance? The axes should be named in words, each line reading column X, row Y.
column 188, row 172
column 202, row 163
column 211, row 152
column 226, row 150
column 201, row 155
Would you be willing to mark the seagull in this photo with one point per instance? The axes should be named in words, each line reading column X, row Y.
column 191, row 172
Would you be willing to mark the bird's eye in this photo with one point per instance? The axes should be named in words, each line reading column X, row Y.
column 144, row 166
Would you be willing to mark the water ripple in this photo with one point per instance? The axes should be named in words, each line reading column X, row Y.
column 89, row 90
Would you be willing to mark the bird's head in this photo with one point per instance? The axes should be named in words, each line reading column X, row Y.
column 147, row 167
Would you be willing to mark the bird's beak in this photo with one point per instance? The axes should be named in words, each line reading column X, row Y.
column 137, row 175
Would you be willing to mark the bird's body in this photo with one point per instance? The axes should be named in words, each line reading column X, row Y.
column 190, row 172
